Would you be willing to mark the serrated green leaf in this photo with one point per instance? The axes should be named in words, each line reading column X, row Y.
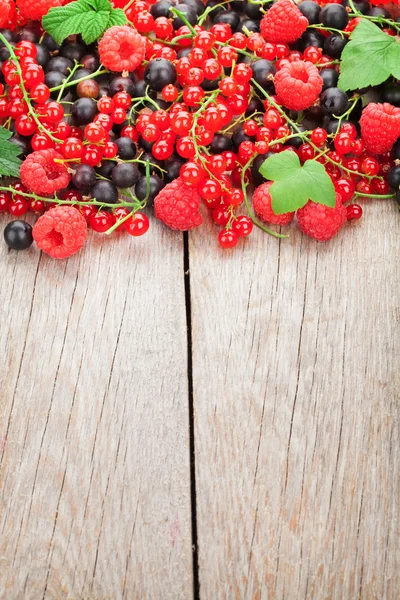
column 95, row 24
column 117, row 17
column 295, row 185
column 370, row 57
column 9, row 161
column 90, row 18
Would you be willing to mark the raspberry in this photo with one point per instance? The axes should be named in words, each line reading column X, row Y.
column 7, row 10
column 36, row 9
column 322, row 222
column 177, row 205
column 380, row 127
column 283, row 23
column 41, row 175
column 298, row 85
column 262, row 204
column 122, row 48
column 61, row 231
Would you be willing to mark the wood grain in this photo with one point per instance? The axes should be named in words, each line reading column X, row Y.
column 296, row 392
column 95, row 482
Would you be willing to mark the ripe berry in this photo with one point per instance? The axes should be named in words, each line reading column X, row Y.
column 18, row 235
column 227, row 238
column 354, row 212
column 101, row 221
column 242, row 225
column 125, row 175
column 137, row 225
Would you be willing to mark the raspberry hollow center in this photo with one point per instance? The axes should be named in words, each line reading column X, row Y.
column 301, row 74
column 55, row 238
column 53, row 170
column 126, row 50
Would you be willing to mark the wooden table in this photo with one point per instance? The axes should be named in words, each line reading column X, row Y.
column 254, row 455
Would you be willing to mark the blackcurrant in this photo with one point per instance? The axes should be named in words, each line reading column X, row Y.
column 394, row 177
column 253, row 11
column 378, row 11
column 154, row 163
column 140, row 89
column 73, row 51
column 173, row 168
column 311, row 10
column 59, row 63
column 159, row 73
column 154, row 186
column 329, row 77
column 209, row 85
column 126, row 148
column 189, row 14
column 105, row 168
column 50, row 43
column 18, row 235
column 90, row 62
column 310, row 38
column 334, row 101
column 104, row 191
column 42, row 55
column 253, row 26
column 335, row 16
column 221, row 143
column 263, row 70
column 239, row 136
column 390, row 92
column 334, row 45
column 27, row 33
column 229, row 17
column 122, row 84
column 84, row 111
column 125, row 175
column 161, row 8
column 396, row 150
column 84, row 177
column 197, row 5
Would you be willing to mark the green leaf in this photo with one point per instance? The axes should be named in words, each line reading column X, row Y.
column 295, row 185
column 90, row 18
column 370, row 57
column 9, row 161
column 117, row 17
column 95, row 24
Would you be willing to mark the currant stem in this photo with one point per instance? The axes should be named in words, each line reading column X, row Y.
column 64, row 83
column 76, row 81
column 25, row 94
column 92, row 202
column 380, row 196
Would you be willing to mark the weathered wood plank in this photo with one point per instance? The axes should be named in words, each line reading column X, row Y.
column 296, row 386
column 95, row 481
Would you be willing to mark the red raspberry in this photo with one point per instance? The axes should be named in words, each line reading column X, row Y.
column 322, row 222
column 7, row 10
column 122, row 48
column 41, row 175
column 283, row 23
column 298, row 85
column 177, row 205
column 262, row 204
column 380, row 127
column 36, row 9
column 61, row 231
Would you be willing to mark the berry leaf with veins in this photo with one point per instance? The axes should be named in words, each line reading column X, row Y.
column 370, row 57
column 295, row 185
column 9, row 161
column 90, row 18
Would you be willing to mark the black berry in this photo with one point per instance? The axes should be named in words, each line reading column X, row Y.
column 125, row 175
column 334, row 101
column 84, row 110
column 159, row 73
column 335, row 16
column 126, row 148
column 155, row 186
column 104, row 191
column 18, row 235
column 84, row 177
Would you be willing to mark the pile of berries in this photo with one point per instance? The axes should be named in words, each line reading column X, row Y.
column 177, row 110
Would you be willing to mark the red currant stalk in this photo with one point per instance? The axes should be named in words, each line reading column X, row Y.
column 56, row 200
column 247, row 203
column 304, row 136
column 25, row 94
column 64, row 84
column 67, row 80
column 380, row 19
column 373, row 195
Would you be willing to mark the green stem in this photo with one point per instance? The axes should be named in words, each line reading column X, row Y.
column 76, row 81
column 179, row 14
column 323, row 28
column 92, row 202
column 25, row 94
column 373, row 195
column 64, row 83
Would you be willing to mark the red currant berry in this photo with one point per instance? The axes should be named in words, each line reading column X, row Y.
column 370, row 166
column 101, row 221
column 346, row 188
column 192, row 174
column 227, row 238
column 137, row 225
column 242, row 225
column 354, row 212
column 319, row 135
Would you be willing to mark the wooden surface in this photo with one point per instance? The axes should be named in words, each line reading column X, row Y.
column 294, row 414
column 95, row 483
